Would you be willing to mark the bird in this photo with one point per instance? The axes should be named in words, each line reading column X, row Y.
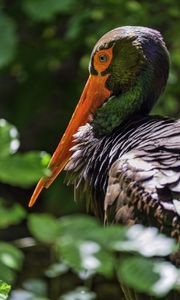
column 122, row 160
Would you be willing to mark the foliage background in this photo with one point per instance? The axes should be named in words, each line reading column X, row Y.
column 44, row 54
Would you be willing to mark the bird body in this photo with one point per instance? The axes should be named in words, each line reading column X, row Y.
column 131, row 175
column 125, row 162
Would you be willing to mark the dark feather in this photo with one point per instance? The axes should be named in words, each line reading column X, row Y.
column 133, row 174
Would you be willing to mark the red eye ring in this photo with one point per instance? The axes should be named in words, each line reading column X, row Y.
column 103, row 58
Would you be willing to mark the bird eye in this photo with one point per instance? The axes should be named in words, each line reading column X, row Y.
column 103, row 57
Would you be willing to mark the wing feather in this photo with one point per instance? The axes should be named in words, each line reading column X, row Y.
column 147, row 188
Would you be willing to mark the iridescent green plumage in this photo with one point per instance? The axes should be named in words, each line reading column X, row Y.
column 138, row 75
column 119, row 108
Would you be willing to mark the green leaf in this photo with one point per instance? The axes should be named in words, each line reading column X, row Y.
column 21, row 294
column 10, row 256
column 79, row 247
column 11, row 215
column 9, row 138
column 78, row 254
column 79, row 226
column 19, row 169
column 6, row 274
column 8, row 40
column 113, row 233
column 56, row 269
column 44, row 10
column 80, row 293
column 87, row 257
column 37, row 286
column 146, row 241
column 43, row 227
column 155, row 277
column 4, row 290
column 24, row 169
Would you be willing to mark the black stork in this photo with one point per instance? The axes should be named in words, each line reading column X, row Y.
column 124, row 162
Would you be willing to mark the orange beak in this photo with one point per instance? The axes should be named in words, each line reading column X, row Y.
column 93, row 96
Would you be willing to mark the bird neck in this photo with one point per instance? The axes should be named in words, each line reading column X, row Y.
column 135, row 101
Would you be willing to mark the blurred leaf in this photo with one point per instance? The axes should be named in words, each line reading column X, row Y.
column 133, row 6
column 19, row 169
column 8, row 39
column 4, row 290
column 9, row 138
column 80, row 293
column 43, row 227
column 76, row 24
column 43, row 10
column 24, row 169
column 37, row 286
column 56, row 269
column 146, row 241
column 114, row 233
column 78, row 226
column 21, row 294
column 11, row 215
column 10, row 256
column 6, row 274
column 78, row 245
column 154, row 277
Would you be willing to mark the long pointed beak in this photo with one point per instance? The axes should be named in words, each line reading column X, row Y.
column 93, row 96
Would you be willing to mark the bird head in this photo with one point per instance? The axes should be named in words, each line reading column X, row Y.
column 124, row 58
column 134, row 63
column 124, row 54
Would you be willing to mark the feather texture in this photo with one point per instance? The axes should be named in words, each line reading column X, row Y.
column 131, row 175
